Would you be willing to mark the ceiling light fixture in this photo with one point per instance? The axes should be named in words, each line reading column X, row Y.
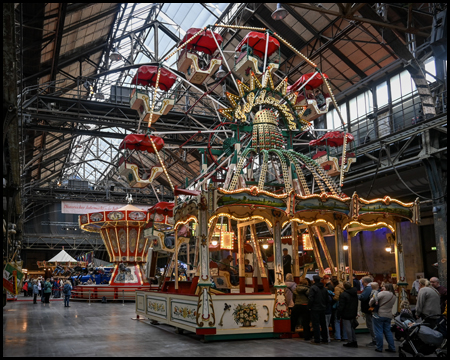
column 221, row 73
column 115, row 56
column 280, row 13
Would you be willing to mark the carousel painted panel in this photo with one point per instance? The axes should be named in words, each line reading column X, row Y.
column 132, row 235
column 157, row 306
column 319, row 203
column 247, row 199
column 183, row 312
column 386, row 207
column 112, row 235
column 244, row 313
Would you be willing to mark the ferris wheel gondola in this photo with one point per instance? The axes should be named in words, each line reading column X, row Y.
column 153, row 76
column 251, row 51
column 136, row 174
column 198, row 59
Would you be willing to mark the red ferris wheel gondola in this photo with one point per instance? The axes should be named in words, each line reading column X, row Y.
column 203, row 42
column 147, row 74
column 257, row 41
column 141, row 142
column 333, row 139
column 314, row 81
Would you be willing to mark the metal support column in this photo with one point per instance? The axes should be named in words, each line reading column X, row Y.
column 241, row 241
column 350, row 261
column 340, row 256
column 400, row 264
column 296, row 271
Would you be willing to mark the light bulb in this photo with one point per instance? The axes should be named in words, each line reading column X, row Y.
column 214, row 243
column 345, row 247
column 265, row 246
column 388, row 249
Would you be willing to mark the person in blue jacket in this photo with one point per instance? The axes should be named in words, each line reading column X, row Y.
column 364, row 297
column 67, row 290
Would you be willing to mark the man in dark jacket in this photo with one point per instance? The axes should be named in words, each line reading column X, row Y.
column 286, row 262
column 318, row 300
column 364, row 297
column 347, row 311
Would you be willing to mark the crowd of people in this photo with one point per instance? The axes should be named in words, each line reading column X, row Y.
column 326, row 302
column 46, row 288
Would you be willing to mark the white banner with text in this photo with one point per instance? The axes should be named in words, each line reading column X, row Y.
column 75, row 207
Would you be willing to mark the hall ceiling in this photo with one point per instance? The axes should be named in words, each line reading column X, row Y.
column 63, row 44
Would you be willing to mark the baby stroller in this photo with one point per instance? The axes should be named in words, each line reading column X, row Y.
column 420, row 338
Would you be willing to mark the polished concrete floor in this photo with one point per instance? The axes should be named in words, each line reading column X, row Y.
column 107, row 330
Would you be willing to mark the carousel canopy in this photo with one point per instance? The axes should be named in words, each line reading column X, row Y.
column 257, row 41
column 333, row 139
column 314, row 83
column 141, row 142
column 147, row 74
column 204, row 42
column 129, row 207
column 164, row 208
column 62, row 256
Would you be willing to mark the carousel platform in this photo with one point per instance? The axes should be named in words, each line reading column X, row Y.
column 107, row 330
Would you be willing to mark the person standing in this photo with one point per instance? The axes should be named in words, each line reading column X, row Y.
column 67, row 290
column 356, row 283
column 415, row 286
column 30, row 287
column 40, row 287
column 329, row 309
column 382, row 323
column 317, row 301
column 286, row 262
column 338, row 290
column 428, row 300
column 57, row 291
column 290, row 288
column 434, row 281
column 348, row 310
column 47, row 291
column 364, row 297
column 35, row 291
column 301, row 309
column 25, row 288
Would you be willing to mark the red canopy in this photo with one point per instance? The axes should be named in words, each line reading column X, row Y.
column 257, row 41
column 315, row 82
column 203, row 42
column 163, row 208
column 333, row 139
column 141, row 142
column 147, row 74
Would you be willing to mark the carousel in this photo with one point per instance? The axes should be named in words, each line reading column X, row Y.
column 122, row 232
column 261, row 194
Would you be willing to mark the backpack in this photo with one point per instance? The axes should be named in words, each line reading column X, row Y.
column 104, row 300
column 65, row 289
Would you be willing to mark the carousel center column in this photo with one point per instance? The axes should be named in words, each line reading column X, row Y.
column 281, row 322
column 339, row 241
column 296, row 271
column 400, row 264
column 206, row 318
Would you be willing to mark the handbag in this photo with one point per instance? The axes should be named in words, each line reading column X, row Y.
column 355, row 323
